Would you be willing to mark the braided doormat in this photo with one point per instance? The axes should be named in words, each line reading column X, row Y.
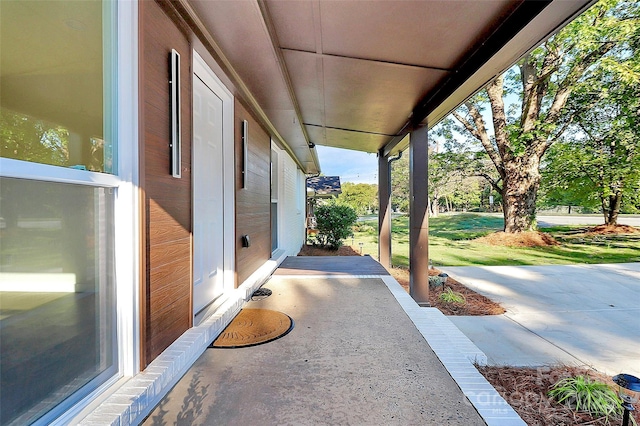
column 253, row 327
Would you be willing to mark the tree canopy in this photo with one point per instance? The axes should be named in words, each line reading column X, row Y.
column 544, row 81
column 400, row 184
column 448, row 184
column 597, row 161
column 361, row 197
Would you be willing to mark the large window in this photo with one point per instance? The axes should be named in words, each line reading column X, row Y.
column 58, row 337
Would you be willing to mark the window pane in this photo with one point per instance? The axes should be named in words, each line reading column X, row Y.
column 57, row 294
column 53, row 85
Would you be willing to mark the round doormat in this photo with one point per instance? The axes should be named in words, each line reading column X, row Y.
column 253, row 327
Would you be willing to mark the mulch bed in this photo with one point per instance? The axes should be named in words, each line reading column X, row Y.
column 520, row 239
column 542, row 239
column 319, row 251
column 525, row 389
column 476, row 304
column 613, row 229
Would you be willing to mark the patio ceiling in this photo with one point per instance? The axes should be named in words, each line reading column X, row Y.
column 361, row 74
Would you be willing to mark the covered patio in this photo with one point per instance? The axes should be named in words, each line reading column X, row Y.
column 370, row 76
column 361, row 352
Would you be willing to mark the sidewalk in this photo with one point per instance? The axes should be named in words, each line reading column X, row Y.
column 355, row 356
column 572, row 314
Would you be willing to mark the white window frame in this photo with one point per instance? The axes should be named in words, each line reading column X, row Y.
column 126, row 203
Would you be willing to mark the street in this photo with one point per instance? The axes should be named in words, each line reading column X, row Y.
column 545, row 221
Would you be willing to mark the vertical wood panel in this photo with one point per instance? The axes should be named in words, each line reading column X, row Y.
column 253, row 205
column 166, row 293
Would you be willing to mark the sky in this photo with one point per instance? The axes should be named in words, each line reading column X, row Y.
column 351, row 166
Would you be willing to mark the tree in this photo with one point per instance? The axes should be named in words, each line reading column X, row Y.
column 362, row 197
column 466, row 194
column 400, row 184
column 444, row 174
column 30, row 139
column 445, row 177
column 598, row 161
column 545, row 80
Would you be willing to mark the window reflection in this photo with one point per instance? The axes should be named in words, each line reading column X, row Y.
column 53, row 84
column 57, row 295
column 27, row 138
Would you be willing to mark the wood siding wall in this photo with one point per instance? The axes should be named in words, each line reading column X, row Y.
column 253, row 204
column 166, row 294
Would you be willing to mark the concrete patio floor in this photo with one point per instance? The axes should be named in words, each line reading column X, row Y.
column 572, row 314
column 361, row 352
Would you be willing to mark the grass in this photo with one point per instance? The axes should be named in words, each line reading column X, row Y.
column 450, row 296
column 585, row 394
column 451, row 244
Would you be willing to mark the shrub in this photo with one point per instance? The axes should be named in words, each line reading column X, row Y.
column 334, row 224
column 584, row 394
column 364, row 228
column 450, row 296
column 435, row 281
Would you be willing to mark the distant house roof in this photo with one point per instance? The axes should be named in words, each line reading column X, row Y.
column 324, row 186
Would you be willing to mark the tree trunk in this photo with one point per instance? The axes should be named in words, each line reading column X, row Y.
column 519, row 193
column 614, row 208
column 435, row 208
column 605, row 210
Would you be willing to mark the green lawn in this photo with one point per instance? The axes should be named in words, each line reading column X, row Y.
column 450, row 244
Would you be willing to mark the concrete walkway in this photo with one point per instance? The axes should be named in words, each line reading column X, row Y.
column 361, row 353
column 573, row 314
